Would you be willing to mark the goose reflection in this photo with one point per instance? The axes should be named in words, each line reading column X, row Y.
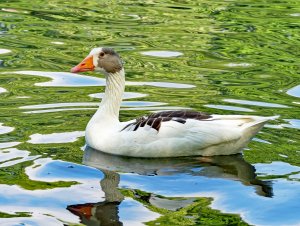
column 232, row 167
column 106, row 212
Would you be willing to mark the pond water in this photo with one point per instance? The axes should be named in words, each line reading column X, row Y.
column 222, row 57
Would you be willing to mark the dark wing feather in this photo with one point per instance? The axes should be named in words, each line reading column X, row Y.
column 181, row 114
column 155, row 120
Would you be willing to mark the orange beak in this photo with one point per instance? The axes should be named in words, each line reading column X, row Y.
column 82, row 210
column 85, row 65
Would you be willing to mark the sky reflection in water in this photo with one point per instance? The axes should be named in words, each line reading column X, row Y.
column 55, row 201
column 294, row 91
column 222, row 57
column 66, row 79
column 235, row 191
column 162, row 53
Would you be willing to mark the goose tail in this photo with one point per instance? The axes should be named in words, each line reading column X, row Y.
column 253, row 127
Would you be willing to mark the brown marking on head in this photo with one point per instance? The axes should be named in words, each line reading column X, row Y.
column 109, row 61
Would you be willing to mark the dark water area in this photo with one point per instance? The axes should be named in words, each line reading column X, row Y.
column 219, row 57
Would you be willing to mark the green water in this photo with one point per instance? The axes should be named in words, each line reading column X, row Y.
column 221, row 57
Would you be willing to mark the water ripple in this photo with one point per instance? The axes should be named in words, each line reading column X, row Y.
column 3, row 51
column 66, row 137
column 87, row 104
column 66, row 79
column 295, row 92
column 126, row 95
column 5, row 129
column 9, row 144
column 228, row 108
column 276, row 168
column 13, row 156
column 293, row 123
column 255, row 103
column 3, row 90
column 162, row 53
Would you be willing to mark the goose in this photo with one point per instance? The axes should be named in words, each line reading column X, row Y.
column 160, row 134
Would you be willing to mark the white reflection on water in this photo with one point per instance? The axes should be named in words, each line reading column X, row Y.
column 66, row 137
column 5, row 129
column 126, row 95
column 57, row 110
column 3, row 90
column 66, row 79
column 46, row 169
column 155, row 109
column 37, row 219
column 261, row 140
column 58, row 43
column 295, row 176
column 130, row 209
column 57, row 107
column 276, row 168
column 135, row 108
column 162, row 53
column 229, row 108
column 293, row 123
column 255, row 103
column 295, row 92
column 295, row 14
column 162, row 84
column 84, row 104
column 13, row 156
column 10, row 10
column 238, row 65
column 8, row 144
column 134, row 16
column 3, row 51
column 23, row 97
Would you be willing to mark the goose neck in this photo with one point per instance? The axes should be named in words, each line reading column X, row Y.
column 111, row 102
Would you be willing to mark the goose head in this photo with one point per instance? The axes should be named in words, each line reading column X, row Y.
column 105, row 60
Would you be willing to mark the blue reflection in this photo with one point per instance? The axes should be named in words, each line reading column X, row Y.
column 140, row 104
column 229, row 195
column 57, row 170
column 293, row 123
column 65, row 79
column 295, row 91
column 276, row 168
column 229, row 180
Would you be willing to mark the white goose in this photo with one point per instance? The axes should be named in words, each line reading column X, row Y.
column 163, row 134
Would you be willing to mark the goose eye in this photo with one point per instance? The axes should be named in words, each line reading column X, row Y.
column 102, row 54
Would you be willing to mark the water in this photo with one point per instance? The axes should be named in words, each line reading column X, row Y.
column 222, row 57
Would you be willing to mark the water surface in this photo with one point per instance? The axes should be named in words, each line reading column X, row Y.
column 220, row 57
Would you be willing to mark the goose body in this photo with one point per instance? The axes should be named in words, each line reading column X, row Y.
column 162, row 134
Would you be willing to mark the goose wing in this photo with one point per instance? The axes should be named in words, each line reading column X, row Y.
column 192, row 127
column 156, row 120
column 183, row 133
